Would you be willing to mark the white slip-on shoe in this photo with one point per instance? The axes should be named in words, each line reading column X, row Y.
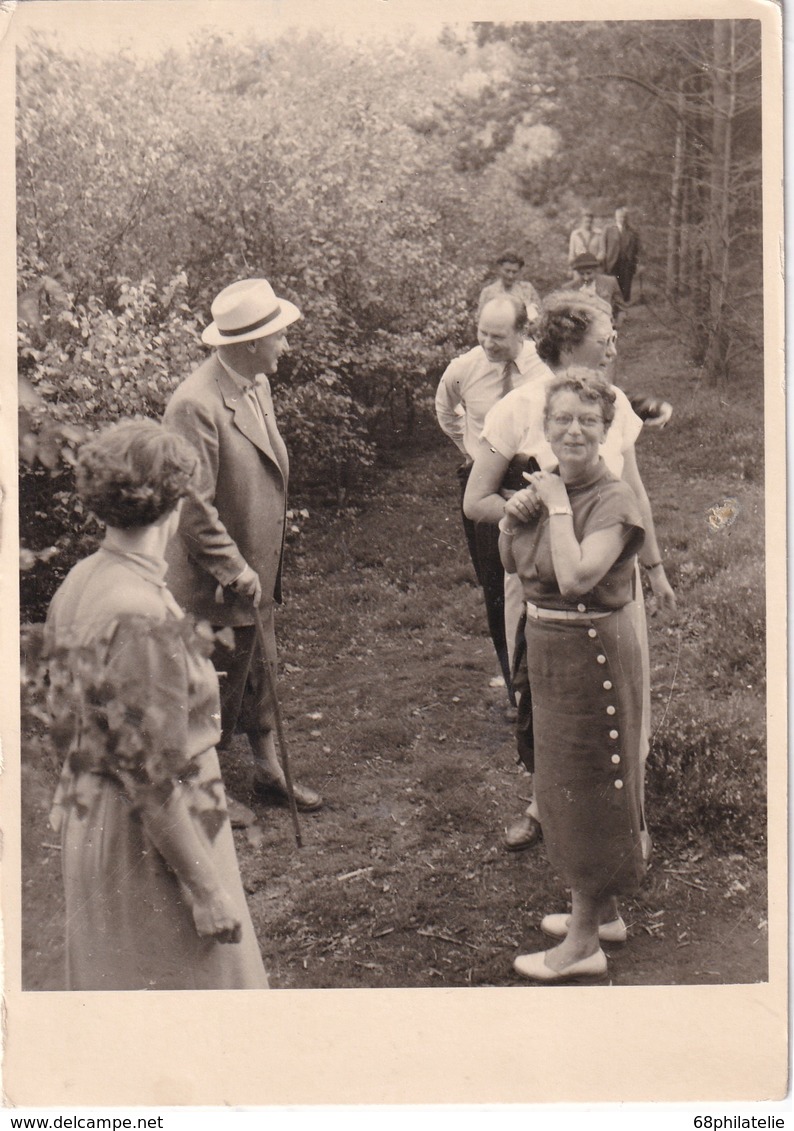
column 534, row 966
column 556, row 927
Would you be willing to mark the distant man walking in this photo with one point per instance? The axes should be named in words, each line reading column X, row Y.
column 470, row 386
column 586, row 240
column 226, row 558
column 621, row 251
column 589, row 280
column 509, row 266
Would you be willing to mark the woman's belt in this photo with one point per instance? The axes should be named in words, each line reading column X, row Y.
column 580, row 615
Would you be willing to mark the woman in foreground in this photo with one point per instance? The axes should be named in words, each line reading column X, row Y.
column 153, row 892
column 576, row 563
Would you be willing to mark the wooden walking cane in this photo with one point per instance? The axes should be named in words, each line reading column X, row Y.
column 282, row 743
column 271, row 686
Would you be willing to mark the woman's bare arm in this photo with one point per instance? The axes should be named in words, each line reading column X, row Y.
column 482, row 501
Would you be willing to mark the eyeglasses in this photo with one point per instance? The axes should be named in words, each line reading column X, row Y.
column 564, row 420
column 612, row 340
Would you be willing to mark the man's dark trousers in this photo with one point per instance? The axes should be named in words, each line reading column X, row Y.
column 483, row 543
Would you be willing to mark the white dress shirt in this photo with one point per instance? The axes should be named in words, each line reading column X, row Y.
column 472, row 385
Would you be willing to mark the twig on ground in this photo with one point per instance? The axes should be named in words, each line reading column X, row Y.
column 692, row 884
column 446, row 938
column 352, row 875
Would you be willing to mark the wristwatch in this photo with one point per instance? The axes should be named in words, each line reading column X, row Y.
column 560, row 510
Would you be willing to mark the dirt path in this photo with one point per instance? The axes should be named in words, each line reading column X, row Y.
column 402, row 880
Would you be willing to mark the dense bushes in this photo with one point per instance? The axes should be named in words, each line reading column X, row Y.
column 145, row 187
column 88, row 365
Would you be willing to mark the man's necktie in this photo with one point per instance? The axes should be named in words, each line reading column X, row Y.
column 257, row 393
column 507, row 377
column 253, row 400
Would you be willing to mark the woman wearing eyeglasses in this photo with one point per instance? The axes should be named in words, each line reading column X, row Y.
column 576, row 562
column 575, row 330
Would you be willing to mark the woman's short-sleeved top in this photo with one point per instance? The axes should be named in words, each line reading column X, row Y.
column 602, row 502
column 515, row 426
column 117, row 606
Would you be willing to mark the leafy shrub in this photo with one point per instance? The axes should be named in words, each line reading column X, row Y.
column 326, row 432
column 86, row 366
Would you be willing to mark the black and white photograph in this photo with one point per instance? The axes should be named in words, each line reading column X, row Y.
column 401, row 498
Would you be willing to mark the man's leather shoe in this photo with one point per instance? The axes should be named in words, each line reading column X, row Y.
column 240, row 816
column 524, row 833
column 534, row 966
column 556, row 927
column 275, row 793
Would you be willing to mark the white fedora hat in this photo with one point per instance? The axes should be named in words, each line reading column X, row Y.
column 247, row 310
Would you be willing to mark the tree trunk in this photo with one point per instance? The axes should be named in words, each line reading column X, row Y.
column 723, row 94
column 675, row 229
column 685, row 253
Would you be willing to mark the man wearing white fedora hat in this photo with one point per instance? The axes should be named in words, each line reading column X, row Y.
column 226, row 558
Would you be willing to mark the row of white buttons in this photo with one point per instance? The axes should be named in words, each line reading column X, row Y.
column 615, row 758
column 607, row 685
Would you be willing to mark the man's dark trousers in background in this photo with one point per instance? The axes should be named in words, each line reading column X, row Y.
column 483, row 543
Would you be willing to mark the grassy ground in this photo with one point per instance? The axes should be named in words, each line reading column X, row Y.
column 385, row 685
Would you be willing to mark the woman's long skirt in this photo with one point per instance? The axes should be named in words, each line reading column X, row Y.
column 587, row 716
column 128, row 924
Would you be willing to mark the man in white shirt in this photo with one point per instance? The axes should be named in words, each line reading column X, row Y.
column 586, row 240
column 471, row 385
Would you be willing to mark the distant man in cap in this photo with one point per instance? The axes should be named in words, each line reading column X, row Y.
column 509, row 266
column 590, row 280
column 226, row 558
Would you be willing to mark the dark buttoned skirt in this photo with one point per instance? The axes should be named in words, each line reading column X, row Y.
column 587, row 691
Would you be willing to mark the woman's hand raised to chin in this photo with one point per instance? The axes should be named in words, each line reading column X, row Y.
column 550, row 489
column 523, row 505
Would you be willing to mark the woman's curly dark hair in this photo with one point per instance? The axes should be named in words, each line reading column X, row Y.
column 567, row 316
column 134, row 472
column 588, row 387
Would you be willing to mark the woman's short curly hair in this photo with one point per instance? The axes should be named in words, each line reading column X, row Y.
column 134, row 472
column 567, row 316
column 589, row 388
